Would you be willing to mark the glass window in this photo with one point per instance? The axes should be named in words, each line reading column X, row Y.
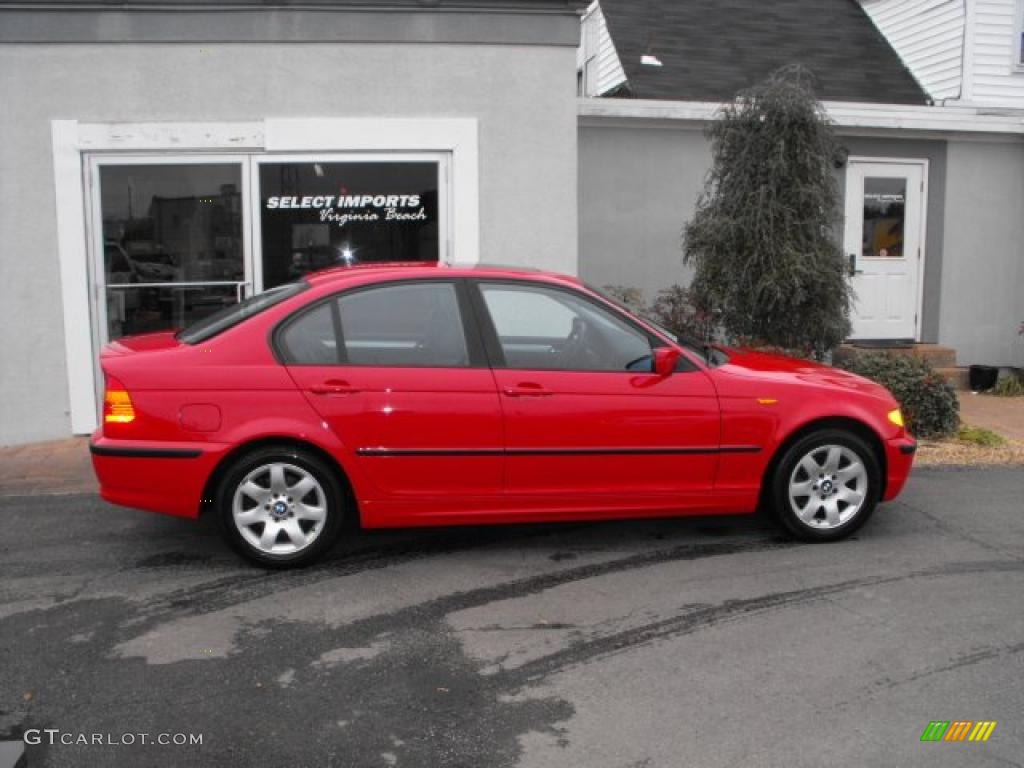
column 884, row 217
column 320, row 214
column 412, row 324
column 164, row 225
column 310, row 338
column 546, row 328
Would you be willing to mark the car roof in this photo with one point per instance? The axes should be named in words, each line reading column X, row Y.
column 427, row 269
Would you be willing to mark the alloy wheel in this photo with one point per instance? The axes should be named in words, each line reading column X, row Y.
column 279, row 508
column 828, row 486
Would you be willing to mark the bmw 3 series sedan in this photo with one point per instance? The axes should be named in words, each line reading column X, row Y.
column 413, row 395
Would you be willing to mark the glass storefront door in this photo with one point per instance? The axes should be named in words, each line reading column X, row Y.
column 169, row 240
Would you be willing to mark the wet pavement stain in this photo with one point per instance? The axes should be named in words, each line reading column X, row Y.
column 439, row 709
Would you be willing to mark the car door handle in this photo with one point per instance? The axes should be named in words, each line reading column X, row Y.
column 527, row 389
column 333, row 387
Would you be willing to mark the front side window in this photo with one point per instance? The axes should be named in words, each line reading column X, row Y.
column 543, row 328
column 402, row 325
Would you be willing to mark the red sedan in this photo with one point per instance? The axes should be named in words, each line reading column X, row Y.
column 408, row 395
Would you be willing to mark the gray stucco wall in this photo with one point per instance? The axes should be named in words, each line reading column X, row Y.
column 983, row 271
column 522, row 95
column 637, row 187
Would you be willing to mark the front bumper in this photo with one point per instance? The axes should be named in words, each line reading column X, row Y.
column 899, row 458
column 160, row 477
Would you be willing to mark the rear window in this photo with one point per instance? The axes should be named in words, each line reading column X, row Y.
column 231, row 316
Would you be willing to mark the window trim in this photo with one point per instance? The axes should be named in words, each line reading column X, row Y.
column 1017, row 45
column 470, row 331
column 492, row 342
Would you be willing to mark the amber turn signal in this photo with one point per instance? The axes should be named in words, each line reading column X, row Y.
column 117, row 404
column 896, row 417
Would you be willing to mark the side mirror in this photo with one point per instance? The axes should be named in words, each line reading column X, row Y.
column 665, row 359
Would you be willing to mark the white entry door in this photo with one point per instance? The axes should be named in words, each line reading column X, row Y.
column 884, row 242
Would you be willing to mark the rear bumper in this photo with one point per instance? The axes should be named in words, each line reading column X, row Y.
column 159, row 477
column 899, row 458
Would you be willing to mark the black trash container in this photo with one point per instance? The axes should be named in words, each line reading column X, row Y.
column 982, row 377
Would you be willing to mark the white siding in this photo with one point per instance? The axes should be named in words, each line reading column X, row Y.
column 598, row 59
column 928, row 36
column 997, row 80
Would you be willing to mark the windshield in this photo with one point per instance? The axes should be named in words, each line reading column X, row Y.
column 711, row 355
column 231, row 316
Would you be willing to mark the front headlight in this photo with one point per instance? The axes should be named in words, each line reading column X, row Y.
column 896, row 417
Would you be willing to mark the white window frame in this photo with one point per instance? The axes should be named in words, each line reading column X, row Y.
column 73, row 142
column 1017, row 47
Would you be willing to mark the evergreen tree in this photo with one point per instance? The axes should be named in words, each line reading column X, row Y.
column 762, row 241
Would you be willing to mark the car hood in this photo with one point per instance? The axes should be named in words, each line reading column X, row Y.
column 764, row 366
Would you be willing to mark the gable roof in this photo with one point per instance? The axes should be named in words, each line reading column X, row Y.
column 710, row 49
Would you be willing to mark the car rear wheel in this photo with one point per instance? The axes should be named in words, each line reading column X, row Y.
column 826, row 485
column 280, row 507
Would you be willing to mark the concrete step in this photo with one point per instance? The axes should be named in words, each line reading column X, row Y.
column 957, row 375
column 936, row 354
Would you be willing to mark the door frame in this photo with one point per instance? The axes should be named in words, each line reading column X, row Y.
column 922, row 163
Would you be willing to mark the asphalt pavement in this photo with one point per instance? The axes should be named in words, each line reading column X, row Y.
column 696, row 642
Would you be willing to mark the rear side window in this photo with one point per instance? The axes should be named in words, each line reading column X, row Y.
column 220, row 321
column 311, row 338
column 400, row 325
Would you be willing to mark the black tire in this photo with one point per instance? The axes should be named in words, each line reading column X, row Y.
column 818, row 528
column 301, row 461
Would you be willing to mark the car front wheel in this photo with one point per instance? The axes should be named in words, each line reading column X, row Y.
column 280, row 507
column 826, row 485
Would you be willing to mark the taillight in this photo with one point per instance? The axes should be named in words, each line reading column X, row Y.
column 117, row 403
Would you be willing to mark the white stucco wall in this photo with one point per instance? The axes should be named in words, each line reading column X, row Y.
column 522, row 96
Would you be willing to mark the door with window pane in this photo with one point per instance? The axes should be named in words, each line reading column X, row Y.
column 170, row 242
column 884, row 247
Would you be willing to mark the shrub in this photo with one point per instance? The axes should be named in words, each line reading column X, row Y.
column 762, row 238
column 632, row 298
column 929, row 404
column 1009, row 386
column 676, row 308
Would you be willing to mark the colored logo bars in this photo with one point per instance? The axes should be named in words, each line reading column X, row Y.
column 958, row 730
